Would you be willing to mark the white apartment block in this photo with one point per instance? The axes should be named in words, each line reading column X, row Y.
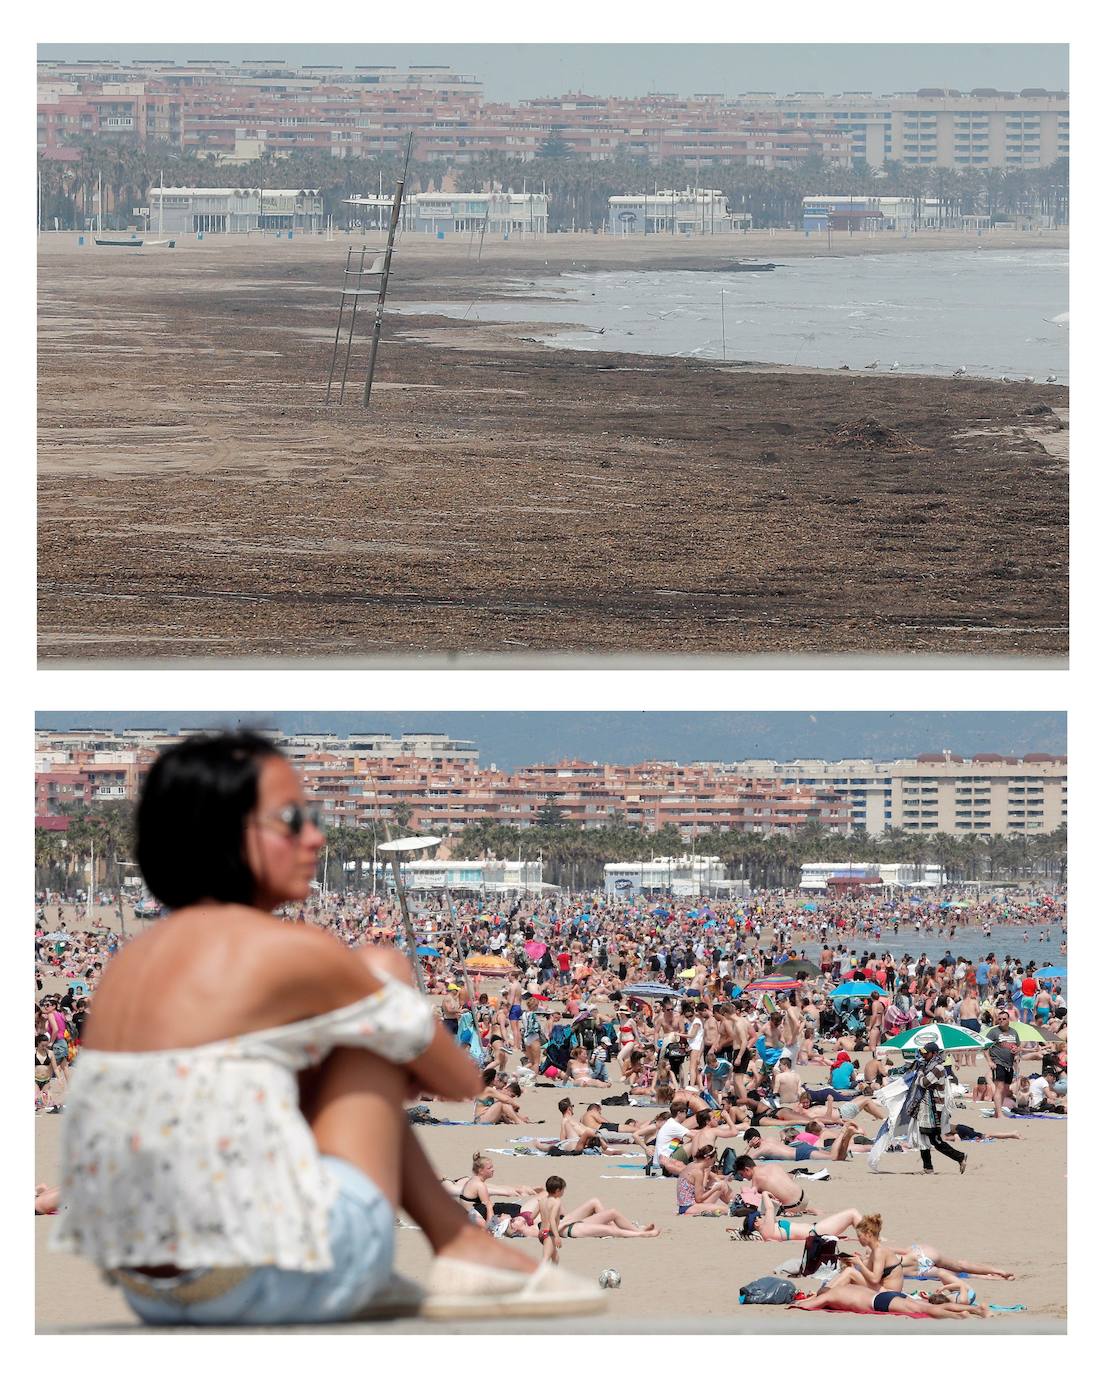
column 988, row 794
column 934, row 128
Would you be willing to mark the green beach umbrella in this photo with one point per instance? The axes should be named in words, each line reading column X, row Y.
column 1029, row 1034
column 945, row 1036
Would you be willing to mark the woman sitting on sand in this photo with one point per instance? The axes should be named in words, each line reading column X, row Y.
column 476, row 1189
column 495, row 1104
column 236, row 1145
column 701, row 1191
column 882, row 1268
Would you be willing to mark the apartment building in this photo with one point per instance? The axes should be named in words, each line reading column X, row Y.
column 242, row 111
column 438, row 784
column 86, row 776
column 446, row 798
column 991, row 794
column 132, row 112
column 933, row 127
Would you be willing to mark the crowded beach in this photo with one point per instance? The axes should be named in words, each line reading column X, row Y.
column 797, row 1070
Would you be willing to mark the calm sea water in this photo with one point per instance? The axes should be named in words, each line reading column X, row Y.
column 988, row 311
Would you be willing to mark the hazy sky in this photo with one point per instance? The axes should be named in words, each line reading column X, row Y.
column 513, row 738
column 512, row 72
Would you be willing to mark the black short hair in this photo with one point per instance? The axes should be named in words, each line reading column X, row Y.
column 743, row 1162
column 190, row 818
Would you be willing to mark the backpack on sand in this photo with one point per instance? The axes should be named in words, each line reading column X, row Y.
column 768, row 1290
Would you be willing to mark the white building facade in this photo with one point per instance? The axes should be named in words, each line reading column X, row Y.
column 683, row 875
column 496, row 877
column 233, row 210
column 815, row 876
column 693, row 211
column 509, row 213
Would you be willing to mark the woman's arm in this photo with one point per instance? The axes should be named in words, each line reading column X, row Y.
column 313, row 973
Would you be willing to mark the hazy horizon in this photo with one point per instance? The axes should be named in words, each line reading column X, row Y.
column 525, row 71
column 511, row 739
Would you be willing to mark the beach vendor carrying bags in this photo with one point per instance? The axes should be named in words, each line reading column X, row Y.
column 919, row 1110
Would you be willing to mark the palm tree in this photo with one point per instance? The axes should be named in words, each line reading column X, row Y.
column 49, row 856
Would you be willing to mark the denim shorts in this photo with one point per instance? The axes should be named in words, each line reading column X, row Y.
column 361, row 1235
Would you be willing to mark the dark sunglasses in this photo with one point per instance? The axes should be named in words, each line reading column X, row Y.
column 295, row 818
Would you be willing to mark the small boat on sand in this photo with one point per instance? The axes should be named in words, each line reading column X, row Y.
column 750, row 266
column 119, row 243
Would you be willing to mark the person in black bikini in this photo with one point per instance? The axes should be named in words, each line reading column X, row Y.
column 475, row 1191
column 882, row 1270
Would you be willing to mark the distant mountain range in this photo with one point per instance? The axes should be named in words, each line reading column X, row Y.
column 513, row 738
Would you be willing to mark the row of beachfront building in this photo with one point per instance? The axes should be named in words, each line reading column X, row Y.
column 695, row 211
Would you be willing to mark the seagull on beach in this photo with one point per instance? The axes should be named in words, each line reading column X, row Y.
column 960, row 372
column 1051, row 377
column 871, row 367
column 1030, row 379
column 1004, row 378
column 894, row 368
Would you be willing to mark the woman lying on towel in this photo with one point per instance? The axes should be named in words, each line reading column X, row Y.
column 765, row 1224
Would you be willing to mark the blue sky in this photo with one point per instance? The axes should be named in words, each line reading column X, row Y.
column 518, row 71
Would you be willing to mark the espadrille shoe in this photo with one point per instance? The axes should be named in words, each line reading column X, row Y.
column 457, row 1289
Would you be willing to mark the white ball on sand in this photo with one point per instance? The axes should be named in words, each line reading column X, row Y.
column 609, row 1278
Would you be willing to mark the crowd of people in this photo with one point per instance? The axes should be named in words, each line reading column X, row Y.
column 709, row 1024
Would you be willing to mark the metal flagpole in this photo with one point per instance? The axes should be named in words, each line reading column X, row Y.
column 397, row 198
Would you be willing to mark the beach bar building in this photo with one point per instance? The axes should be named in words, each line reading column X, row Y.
column 858, row 213
column 501, row 877
column 234, row 210
column 683, row 875
column 457, row 212
column 693, row 211
column 819, row 877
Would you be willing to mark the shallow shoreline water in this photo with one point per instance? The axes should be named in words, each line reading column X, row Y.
column 996, row 316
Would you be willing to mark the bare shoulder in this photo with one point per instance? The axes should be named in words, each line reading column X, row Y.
column 316, row 967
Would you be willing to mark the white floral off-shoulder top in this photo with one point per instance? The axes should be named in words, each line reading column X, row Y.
column 201, row 1156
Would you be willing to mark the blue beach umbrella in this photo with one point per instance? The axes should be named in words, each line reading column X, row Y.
column 1051, row 972
column 854, row 990
column 427, row 951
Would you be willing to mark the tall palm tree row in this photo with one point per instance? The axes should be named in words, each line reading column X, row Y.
column 578, row 187
column 573, row 856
